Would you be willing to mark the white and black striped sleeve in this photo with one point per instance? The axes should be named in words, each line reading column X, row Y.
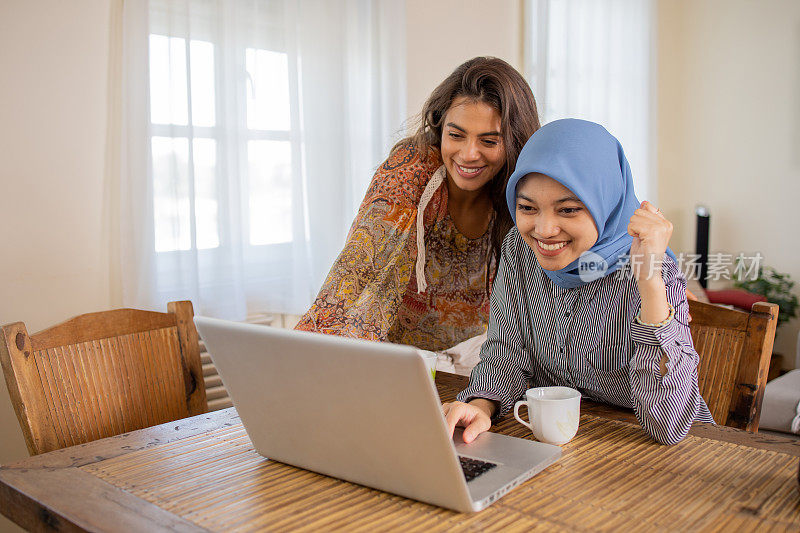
column 503, row 374
column 667, row 405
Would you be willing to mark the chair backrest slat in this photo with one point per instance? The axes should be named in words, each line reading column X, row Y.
column 101, row 325
column 735, row 349
column 719, row 363
column 103, row 374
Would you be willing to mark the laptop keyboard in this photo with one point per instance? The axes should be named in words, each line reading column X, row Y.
column 474, row 467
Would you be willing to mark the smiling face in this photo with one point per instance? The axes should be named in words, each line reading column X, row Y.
column 472, row 148
column 553, row 221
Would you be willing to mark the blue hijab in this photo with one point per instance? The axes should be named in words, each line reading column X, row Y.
column 586, row 159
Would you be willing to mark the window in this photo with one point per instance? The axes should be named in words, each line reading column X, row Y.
column 249, row 131
column 197, row 140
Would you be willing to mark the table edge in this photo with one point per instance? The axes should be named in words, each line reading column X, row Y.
column 23, row 494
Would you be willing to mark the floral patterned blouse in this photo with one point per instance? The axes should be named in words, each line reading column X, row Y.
column 371, row 291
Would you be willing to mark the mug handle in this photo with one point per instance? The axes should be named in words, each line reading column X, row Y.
column 516, row 414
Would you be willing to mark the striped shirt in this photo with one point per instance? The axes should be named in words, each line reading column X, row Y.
column 586, row 338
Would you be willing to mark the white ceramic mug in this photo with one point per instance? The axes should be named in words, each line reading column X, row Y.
column 554, row 413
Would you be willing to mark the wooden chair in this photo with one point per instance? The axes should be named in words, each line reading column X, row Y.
column 102, row 374
column 735, row 349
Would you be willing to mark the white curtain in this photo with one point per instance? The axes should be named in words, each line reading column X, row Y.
column 593, row 59
column 250, row 131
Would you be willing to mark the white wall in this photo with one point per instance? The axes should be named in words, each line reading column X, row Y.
column 54, row 57
column 53, row 140
column 729, row 129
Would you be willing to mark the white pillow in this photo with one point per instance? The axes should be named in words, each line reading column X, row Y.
column 780, row 410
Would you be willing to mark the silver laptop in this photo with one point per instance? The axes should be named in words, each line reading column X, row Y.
column 365, row 412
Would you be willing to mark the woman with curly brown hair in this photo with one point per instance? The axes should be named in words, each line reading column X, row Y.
column 421, row 254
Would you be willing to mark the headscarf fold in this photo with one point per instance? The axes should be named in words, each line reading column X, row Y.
column 589, row 161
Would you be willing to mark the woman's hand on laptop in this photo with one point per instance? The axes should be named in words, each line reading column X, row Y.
column 475, row 417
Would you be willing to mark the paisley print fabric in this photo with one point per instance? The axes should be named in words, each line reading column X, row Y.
column 371, row 290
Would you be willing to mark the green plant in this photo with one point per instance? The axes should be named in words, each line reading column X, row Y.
column 776, row 287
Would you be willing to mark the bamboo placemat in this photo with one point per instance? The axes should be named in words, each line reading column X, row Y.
column 611, row 477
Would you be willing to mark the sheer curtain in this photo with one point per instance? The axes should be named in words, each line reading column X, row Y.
column 251, row 129
column 593, row 59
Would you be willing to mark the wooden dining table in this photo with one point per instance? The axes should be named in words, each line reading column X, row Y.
column 202, row 474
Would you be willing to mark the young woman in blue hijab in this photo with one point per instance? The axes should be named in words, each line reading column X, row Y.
column 587, row 294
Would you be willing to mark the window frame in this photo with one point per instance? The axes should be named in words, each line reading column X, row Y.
column 231, row 196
